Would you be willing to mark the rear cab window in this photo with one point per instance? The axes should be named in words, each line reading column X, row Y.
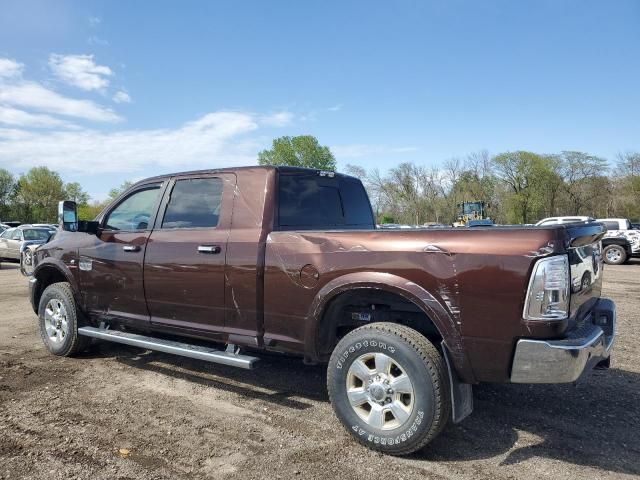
column 322, row 201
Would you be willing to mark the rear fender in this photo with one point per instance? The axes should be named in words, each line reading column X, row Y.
column 401, row 286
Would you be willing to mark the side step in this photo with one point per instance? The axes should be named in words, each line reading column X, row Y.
column 169, row 346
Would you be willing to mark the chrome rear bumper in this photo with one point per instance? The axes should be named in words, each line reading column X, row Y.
column 565, row 360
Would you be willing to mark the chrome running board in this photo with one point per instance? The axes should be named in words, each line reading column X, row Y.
column 169, row 346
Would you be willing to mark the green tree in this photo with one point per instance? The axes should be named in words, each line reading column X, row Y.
column 90, row 211
column 526, row 176
column 300, row 151
column 38, row 194
column 75, row 192
column 7, row 190
column 580, row 172
column 115, row 192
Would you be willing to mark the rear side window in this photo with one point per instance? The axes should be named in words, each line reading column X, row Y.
column 194, row 203
column 307, row 202
column 612, row 225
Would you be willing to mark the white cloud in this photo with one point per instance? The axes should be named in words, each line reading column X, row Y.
column 335, row 108
column 122, row 97
column 35, row 96
column 96, row 40
column 214, row 140
column 10, row 68
column 95, row 21
column 366, row 150
column 20, row 118
column 80, row 71
column 279, row 119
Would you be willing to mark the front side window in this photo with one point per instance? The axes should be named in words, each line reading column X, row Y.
column 194, row 203
column 135, row 211
column 16, row 235
column 7, row 234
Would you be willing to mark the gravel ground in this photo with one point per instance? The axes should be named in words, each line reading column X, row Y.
column 124, row 413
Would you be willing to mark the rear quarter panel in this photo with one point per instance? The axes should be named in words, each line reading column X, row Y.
column 478, row 277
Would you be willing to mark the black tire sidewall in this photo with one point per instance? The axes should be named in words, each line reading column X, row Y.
column 419, row 423
column 59, row 293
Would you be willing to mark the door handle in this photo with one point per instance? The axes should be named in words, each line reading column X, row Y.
column 131, row 248
column 209, row 249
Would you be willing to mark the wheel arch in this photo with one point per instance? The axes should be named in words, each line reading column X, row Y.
column 48, row 272
column 388, row 283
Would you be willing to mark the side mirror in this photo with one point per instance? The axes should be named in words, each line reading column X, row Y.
column 88, row 226
column 68, row 216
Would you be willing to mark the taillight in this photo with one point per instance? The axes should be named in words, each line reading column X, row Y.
column 548, row 293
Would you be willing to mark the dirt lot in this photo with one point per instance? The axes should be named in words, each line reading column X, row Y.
column 124, row 413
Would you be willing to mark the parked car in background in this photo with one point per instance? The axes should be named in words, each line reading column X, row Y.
column 635, row 226
column 622, row 227
column 618, row 245
column 562, row 220
column 14, row 241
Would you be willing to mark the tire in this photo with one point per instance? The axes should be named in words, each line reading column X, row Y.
column 384, row 416
column 614, row 255
column 59, row 317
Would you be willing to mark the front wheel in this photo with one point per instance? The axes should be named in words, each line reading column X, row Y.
column 614, row 255
column 389, row 387
column 59, row 321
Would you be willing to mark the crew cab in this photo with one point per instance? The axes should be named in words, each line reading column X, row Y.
column 220, row 265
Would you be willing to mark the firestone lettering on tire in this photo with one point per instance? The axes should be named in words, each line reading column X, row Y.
column 360, row 345
column 398, row 439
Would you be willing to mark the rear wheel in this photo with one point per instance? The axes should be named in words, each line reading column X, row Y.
column 614, row 255
column 389, row 387
column 59, row 321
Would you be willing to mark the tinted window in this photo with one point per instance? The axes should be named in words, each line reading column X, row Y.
column 134, row 212
column 612, row 225
column 356, row 203
column 36, row 234
column 194, row 203
column 315, row 202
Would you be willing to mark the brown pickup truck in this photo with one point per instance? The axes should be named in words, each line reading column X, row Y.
column 219, row 265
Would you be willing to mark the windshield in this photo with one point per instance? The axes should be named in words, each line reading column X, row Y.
column 33, row 234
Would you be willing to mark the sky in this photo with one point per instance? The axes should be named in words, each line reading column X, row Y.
column 104, row 91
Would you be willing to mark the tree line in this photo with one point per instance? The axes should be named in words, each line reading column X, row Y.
column 519, row 187
column 33, row 196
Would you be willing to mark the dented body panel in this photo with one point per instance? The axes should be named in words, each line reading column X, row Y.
column 269, row 287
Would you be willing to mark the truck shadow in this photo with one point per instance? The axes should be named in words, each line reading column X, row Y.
column 595, row 423
column 287, row 378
